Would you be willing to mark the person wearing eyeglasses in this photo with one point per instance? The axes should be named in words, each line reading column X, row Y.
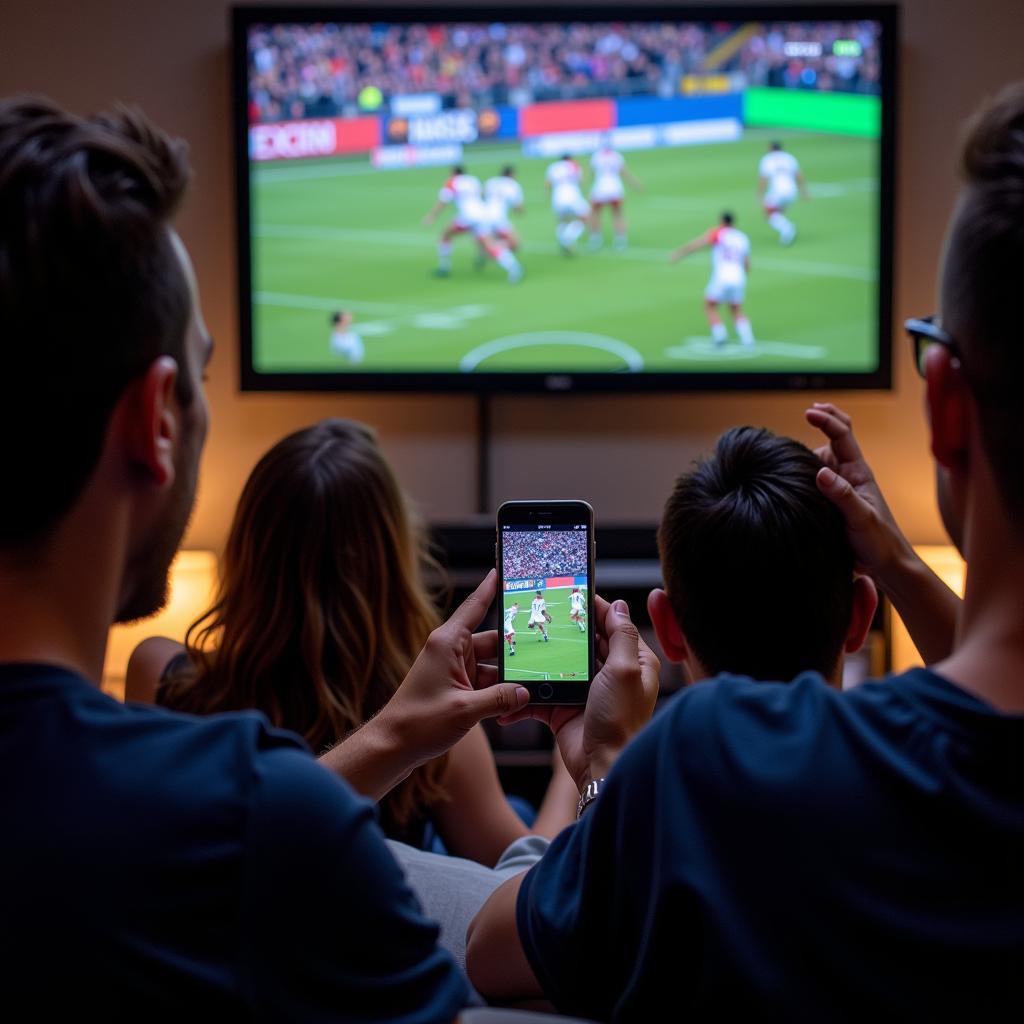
column 793, row 852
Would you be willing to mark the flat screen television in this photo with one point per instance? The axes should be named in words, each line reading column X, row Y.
column 567, row 198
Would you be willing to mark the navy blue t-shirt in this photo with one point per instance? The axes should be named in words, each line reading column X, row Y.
column 153, row 863
column 796, row 853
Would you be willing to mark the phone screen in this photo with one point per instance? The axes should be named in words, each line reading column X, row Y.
column 546, row 633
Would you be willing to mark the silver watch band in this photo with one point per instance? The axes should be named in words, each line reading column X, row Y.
column 588, row 796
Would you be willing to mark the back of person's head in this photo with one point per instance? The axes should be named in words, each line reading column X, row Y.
column 322, row 607
column 727, row 218
column 92, row 291
column 981, row 282
column 755, row 560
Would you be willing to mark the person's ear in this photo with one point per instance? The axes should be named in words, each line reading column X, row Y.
column 862, row 613
column 666, row 628
column 150, row 421
column 949, row 408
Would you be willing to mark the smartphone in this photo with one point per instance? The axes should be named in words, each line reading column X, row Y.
column 545, row 555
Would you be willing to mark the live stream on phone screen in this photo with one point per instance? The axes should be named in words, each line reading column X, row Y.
column 544, row 595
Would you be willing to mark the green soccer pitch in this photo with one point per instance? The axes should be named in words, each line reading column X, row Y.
column 338, row 234
column 564, row 656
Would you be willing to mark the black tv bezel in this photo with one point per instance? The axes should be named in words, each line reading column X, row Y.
column 242, row 17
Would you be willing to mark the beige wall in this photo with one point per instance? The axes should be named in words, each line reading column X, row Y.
column 172, row 58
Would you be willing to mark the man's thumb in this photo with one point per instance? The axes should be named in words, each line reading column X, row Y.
column 500, row 699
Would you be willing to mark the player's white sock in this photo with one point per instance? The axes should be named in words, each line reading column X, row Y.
column 507, row 261
column 621, row 240
column 596, row 241
column 444, row 255
column 582, row 627
column 779, row 222
column 573, row 230
column 744, row 330
column 719, row 333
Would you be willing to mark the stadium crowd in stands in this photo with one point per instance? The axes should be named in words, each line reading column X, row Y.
column 557, row 554
column 326, row 70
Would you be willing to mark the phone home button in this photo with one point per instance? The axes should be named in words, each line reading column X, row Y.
column 545, row 691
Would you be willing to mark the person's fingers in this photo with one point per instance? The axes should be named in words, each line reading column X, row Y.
column 486, row 675
column 623, row 645
column 827, row 457
column 485, row 644
column 470, row 613
column 838, row 431
column 857, row 512
column 650, row 671
column 834, row 410
column 499, row 700
column 539, row 714
column 601, row 607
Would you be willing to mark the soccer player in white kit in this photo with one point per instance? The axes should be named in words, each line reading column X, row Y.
column 510, row 627
column 730, row 264
column 485, row 216
column 563, row 180
column 504, row 190
column 779, row 182
column 539, row 615
column 460, row 190
column 345, row 341
column 609, row 169
column 578, row 609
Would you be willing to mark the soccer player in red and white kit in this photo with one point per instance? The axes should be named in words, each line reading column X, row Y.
column 779, row 181
column 507, row 193
column 730, row 264
column 460, row 190
column 609, row 169
column 563, row 180
column 486, row 216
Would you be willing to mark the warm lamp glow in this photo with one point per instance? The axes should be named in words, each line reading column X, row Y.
column 193, row 580
column 945, row 561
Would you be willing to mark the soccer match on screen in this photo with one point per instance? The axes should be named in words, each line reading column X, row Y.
column 594, row 197
column 544, row 582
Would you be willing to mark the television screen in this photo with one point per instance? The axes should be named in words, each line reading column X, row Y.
column 474, row 199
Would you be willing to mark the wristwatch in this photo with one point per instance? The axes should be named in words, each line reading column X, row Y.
column 588, row 796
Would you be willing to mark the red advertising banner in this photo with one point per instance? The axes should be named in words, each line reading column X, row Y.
column 292, row 140
column 577, row 115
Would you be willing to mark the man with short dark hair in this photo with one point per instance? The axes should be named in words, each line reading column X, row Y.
column 758, row 572
column 156, row 864
column 793, row 852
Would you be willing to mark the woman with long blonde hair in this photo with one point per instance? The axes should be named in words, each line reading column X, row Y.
column 322, row 608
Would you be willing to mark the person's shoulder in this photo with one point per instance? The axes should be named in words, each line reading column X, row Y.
column 734, row 727
column 728, row 696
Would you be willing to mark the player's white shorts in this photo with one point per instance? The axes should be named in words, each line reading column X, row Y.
column 607, row 193
column 778, row 197
column 725, row 291
column 349, row 345
column 510, row 634
column 484, row 227
column 570, row 204
column 537, row 619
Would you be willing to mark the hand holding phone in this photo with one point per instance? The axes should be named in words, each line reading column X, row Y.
column 620, row 702
column 545, row 556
